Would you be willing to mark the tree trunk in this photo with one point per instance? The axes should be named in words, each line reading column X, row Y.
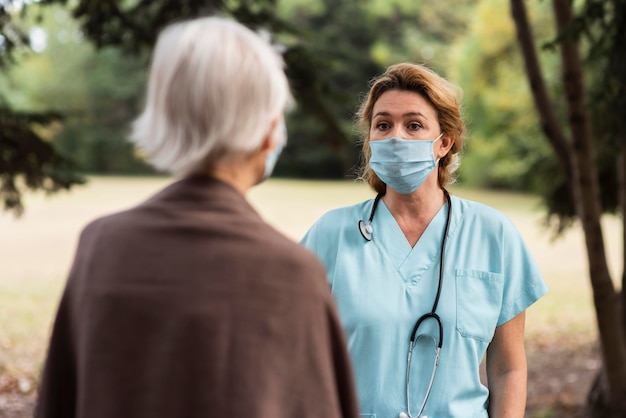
column 605, row 298
column 545, row 110
column 577, row 159
column 617, row 69
column 621, row 190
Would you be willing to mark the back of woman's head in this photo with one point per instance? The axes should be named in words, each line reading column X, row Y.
column 214, row 89
column 444, row 96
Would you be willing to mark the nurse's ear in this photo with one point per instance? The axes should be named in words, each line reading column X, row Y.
column 445, row 144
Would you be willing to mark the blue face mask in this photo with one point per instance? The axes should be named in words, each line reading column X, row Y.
column 403, row 164
column 272, row 157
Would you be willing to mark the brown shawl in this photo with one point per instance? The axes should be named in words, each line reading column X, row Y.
column 189, row 305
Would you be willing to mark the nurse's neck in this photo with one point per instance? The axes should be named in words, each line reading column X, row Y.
column 414, row 212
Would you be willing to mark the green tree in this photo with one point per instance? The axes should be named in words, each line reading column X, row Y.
column 98, row 92
column 504, row 149
column 331, row 50
column 339, row 37
column 576, row 146
column 95, row 134
column 132, row 28
column 27, row 159
column 354, row 41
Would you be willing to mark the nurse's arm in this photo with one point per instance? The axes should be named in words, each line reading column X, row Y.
column 506, row 370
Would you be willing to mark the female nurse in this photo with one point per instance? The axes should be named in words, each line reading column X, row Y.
column 426, row 283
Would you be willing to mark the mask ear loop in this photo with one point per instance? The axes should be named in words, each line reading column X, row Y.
column 435, row 140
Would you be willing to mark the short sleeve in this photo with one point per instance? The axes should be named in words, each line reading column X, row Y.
column 313, row 242
column 310, row 238
column 523, row 282
column 326, row 237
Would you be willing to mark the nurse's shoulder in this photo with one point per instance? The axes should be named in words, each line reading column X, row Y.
column 336, row 220
column 489, row 220
column 326, row 231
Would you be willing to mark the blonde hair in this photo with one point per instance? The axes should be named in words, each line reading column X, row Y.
column 214, row 88
column 444, row 96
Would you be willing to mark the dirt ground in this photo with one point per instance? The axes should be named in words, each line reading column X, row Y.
column 559, row 377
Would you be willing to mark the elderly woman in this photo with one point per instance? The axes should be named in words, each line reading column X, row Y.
column 189, row 305
column 426, row 283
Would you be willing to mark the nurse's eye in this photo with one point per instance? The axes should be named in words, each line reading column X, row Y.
column 414, row 126
column 383, row 126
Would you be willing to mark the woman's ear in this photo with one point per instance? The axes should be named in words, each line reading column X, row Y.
column 270, row 140
column 446, row 145
column 267, row 144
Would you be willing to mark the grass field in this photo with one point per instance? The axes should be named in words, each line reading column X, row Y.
column 36, row 251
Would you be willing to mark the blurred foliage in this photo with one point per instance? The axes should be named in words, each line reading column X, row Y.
column 97, row 93
column 331, row 50
column 27, row 159
column 353, row 41
column 600, row 26
column 133, row 26
column 505, row 148
column 90, row 66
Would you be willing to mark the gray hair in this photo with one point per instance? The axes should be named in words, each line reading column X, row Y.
column 214, row 89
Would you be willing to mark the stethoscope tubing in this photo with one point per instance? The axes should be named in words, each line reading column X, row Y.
column 366, row 232
column 430, row 383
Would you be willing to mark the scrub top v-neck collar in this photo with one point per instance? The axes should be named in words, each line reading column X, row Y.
column 410, row 262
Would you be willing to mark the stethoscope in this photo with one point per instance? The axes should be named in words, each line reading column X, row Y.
column 366, row 230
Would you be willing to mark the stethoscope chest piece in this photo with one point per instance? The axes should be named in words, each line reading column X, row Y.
column 366, row 230
column 366, row 227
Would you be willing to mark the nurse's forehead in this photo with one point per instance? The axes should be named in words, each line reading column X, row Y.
column 403, row 103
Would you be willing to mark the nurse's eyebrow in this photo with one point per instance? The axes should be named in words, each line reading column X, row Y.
column 405, row 115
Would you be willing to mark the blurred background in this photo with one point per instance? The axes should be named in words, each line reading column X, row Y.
column 72, row 78
column 332, row 48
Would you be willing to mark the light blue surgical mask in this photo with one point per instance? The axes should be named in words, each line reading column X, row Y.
column 403, row 164
column 272, row 157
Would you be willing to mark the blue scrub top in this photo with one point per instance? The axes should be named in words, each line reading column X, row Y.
column 382, row 286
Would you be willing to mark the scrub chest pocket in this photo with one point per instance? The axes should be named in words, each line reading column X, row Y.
column 479, row 300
